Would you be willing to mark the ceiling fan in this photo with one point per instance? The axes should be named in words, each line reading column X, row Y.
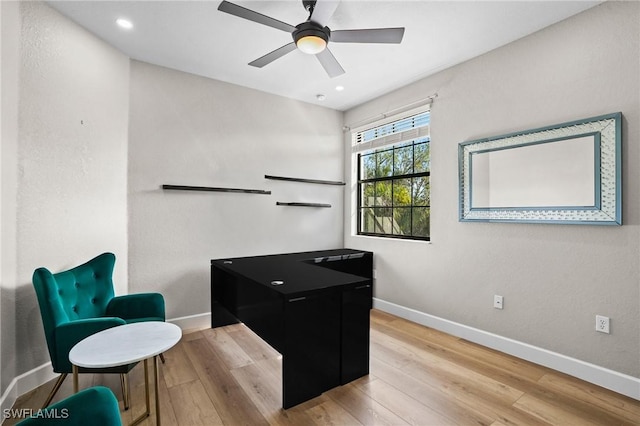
column 313, row 36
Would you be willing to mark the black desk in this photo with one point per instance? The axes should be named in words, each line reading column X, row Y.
column 318, row 319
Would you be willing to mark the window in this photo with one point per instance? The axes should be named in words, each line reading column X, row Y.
column 394, row 165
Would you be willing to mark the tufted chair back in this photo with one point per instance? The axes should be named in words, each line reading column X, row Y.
column 79, row 293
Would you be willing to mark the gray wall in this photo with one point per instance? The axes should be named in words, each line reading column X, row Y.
column 189, row 130
column 10, row 39
column 72, row 164
column 554, row 278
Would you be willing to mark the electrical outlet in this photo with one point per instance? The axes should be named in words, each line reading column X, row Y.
column 602, row 324
column 498, row 302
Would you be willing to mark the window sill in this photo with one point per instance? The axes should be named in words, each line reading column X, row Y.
column 390, row 239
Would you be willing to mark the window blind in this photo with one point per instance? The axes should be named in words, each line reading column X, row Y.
column 402, row 130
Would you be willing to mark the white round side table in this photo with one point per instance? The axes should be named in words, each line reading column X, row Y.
column 126, row 344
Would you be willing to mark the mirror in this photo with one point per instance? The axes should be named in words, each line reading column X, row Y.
column 567, row 173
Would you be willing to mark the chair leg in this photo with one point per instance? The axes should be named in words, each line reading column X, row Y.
column 124, row 382
column 162, row 358
column 53, row 392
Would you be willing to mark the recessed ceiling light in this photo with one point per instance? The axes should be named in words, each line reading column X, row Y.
column 124, row 23
column 339, row 88
column 321, row 97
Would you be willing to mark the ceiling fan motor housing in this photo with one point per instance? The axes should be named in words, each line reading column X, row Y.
column 310, row 28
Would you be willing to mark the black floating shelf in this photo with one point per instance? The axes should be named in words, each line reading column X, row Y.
column 290, row 179
column 280, row 203
column 214, row 189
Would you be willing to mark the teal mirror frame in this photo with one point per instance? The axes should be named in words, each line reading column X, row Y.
column 606, row 208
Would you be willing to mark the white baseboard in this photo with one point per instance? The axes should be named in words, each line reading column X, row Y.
column 24, row 383
column 43, row 373
column 8, row 399
column 192, row 322
column 609, row 379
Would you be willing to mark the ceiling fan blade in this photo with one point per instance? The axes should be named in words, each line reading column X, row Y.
column 323, row 11
column 330, row 63
column 241, row 12
column 373, row 35
column 272, row 56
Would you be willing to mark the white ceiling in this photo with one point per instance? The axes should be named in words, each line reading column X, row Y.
column 193, row 36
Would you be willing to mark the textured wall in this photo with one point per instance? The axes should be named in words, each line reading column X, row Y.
column 9, row 39
column 72, row 160
column 190, row 130
column 554, row 278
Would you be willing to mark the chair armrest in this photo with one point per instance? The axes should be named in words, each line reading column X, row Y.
column 70, row 333
column 138, row 306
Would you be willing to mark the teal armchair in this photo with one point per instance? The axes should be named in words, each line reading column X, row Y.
column 96, row 406
column 79, row 302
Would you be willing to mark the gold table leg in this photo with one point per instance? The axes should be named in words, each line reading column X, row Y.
column 157, row 380
column 146, row 390
column 146, row 393
column 75, row 378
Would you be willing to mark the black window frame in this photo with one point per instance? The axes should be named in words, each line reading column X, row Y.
column 391, row 178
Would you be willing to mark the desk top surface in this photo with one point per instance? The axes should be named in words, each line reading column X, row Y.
column 299, row 272
column 125, row 344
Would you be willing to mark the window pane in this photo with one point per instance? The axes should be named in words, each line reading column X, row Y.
column 421, row 227
column 385, row 163
column 403, row 161
column 368, row 194
column 383, row 220
column 368, row 166
column 383, row 193
column 402, row 192
column 367, row 220
column 421, row 191
column 402, row 221
column 422, row 157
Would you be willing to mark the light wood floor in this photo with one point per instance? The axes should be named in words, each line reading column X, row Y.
column 418, row 376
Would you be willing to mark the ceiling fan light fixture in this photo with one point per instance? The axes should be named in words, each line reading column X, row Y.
column 311, row 45
column 310, row 38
